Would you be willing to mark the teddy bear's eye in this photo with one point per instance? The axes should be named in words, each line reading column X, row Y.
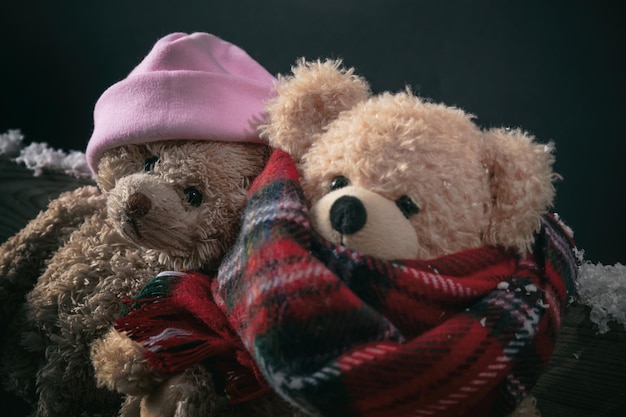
column 194, row 197
column 407, row 206
column 339, row 182
column 148, row 165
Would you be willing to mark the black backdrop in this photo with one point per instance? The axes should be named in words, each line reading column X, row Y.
column 554, row 68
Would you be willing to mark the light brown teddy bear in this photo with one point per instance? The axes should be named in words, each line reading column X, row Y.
column 480, row 187
column 419, row 273
column 394, row 259
column 173, row 151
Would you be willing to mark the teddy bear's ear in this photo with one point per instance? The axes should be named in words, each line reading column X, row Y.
column 307, row 101
column 521, row 181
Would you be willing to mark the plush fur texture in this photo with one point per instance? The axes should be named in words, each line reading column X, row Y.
column 423, row 179
column 189, row 239
column 160, row 206
column 472, row 187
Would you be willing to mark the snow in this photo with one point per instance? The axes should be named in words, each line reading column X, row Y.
column 603, row 288
column 530, row 288
column 10, row 142
column 40, row 157
column 503, row 285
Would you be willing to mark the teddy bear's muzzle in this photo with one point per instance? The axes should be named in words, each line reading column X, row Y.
column 365, row 221
column 144, row 210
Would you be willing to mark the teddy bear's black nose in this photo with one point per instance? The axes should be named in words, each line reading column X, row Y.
column 348, row 215
column 138, row 205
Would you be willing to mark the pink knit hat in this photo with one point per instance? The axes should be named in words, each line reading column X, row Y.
column 194, row 86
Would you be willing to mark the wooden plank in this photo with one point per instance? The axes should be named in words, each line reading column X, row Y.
column 24, row 195
column 586, row 376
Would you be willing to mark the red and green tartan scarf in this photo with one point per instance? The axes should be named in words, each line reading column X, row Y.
column 338, row 333
column 178, row 323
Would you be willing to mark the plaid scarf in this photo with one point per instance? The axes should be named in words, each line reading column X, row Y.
column 338, row 333
column 179, row 325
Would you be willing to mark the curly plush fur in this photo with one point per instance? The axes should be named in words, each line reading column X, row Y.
column 472, row 187
column 91, row 248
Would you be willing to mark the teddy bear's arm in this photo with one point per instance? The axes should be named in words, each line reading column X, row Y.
column 24, row 255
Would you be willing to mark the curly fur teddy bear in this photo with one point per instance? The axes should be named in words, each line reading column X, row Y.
column 394, row 259
column 392, row 177
column 173, row 151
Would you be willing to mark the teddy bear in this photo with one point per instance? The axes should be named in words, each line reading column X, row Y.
column 387, row 177
column 173, row 150
column 393, row 258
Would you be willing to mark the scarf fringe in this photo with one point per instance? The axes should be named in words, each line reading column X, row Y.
column 176, row 339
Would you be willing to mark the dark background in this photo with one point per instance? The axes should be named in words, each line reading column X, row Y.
column 554, row 68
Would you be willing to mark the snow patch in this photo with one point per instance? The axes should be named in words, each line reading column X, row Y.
column 603, row 288
column 11, row 142
column 40, row 157
column 530, row 288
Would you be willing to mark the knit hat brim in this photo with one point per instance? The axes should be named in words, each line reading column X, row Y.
column 168, row 105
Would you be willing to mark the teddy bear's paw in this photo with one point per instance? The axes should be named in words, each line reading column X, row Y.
column 188, row 394
column 131, row 407
column 119, row 364
column 527, row 408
